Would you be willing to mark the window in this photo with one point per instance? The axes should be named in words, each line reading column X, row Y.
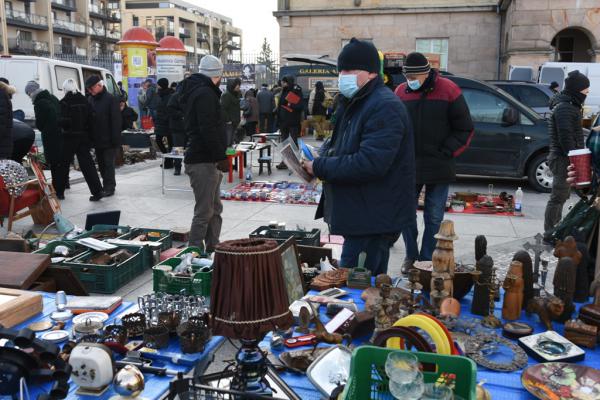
column 136, row 21
column 27, row 7
column 435, row 46
column 64, row 73
column 111, row 86
column 8, row 6
column 484, row 106
column 532, row 96
column 24, row 36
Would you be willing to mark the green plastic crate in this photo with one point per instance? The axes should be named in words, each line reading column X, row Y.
column 106, row 279
column 198, row 284
column 368, row 379
column 121, row 230
column 165, row 236
column 192, row 249
column 49, row 248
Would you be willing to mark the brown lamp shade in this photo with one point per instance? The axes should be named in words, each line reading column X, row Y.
column 248, row 295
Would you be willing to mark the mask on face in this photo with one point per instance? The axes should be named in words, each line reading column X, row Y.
column 414, row 85
column 348, row 85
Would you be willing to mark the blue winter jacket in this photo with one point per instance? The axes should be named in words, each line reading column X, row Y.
column 368, row 166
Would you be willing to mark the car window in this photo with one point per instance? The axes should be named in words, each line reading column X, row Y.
column 532, row 96
column 63, row 73
column 485, row 106
column 509, row 90
column 111, row 86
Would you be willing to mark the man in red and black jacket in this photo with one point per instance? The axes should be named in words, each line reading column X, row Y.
column 443, row 130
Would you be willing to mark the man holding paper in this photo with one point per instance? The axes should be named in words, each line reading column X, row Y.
column 368, row 165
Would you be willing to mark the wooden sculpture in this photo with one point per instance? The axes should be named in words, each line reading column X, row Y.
column 564, row 285
column 480, row 247
column 513, row 296
column 439, row 293
column 548, row 308
column 481, row 294
column 443, row 256
column 524, row 258
column 585, row 275
column 568, row 248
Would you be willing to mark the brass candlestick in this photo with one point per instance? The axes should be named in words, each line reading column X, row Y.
column 490, row 321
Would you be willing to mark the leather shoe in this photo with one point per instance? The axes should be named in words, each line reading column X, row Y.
column 407, row 265
column 60, row 196
column 177, row 172
column 109, row 193
column 97, row 196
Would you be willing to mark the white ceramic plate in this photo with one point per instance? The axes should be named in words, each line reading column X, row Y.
column 55, row 336
column 95, row 316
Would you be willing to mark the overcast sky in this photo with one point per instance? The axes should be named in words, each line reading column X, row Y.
column 254, row 17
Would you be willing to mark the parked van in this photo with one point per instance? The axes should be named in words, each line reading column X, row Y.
column 50, row 74
column 558, row 71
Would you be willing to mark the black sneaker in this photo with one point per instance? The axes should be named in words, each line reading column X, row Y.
column 109, row 193
column 60, row 196
column 177, row 172
column 97, row 196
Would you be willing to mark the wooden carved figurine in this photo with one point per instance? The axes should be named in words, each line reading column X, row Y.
column 564, row 285
column 383, row 310
column 513, row 296
column 585, row 275
column 548, row 308
column 443, row 256
column 568, row 248
column 480, row 247
column 481, row 295
column 439, row 293
column 524, row 258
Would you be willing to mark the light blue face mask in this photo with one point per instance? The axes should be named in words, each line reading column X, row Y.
column 348, row 85
column 414, row 85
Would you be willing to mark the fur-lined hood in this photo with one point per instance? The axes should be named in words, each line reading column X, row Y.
column 10, row 90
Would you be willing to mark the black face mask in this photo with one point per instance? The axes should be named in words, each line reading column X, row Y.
column 580, row 97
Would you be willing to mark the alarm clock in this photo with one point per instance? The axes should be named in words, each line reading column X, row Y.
column 93, row 366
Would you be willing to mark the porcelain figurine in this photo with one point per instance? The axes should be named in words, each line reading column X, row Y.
column 524, row 258
column 481, row 294
column 443, row 256
column 564, row 285
column 513, row 296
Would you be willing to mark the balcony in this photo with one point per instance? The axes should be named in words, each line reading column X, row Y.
column 69, row 50
column 185, row 33
column 30, row 47
column 69, row 28
column 20, row 18
column 202, row 37
column 161, row 32
column 231, row 45
column 102, row 34
column 66, row 5
column 98, row 10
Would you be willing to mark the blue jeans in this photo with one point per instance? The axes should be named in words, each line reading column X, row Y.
column 433, row 214
column 377, row 248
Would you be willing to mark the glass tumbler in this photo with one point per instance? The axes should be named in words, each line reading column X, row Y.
column 437, row 392
column 408, row 391
column 401, row 367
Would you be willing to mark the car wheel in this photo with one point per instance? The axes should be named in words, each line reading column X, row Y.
column 539, row 174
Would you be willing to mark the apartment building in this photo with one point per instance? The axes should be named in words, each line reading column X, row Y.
column 73, row 30
column 201, row 31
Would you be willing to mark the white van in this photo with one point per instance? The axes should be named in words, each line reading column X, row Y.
column 50, row 74
column 558, row 71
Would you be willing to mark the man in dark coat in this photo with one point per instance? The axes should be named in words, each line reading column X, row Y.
column 266, row 106
column 289, row 111
column 75, row 117
column 47, row 116
column 106, row 130
column 176, row 125
column 443, row 130
column 128, row 114
column 162, row 129
column 205, row 157
column 566, row 134
column 230, row 104
column 368, row 165
column 6, row 120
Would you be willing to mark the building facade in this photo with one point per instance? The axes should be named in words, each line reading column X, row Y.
column 73, row 30
column 202, row 31
column 478, row 38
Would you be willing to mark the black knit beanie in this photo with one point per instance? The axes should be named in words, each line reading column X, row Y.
column 416, row 63
column 576, row 82
column 163, row 83
column 361, row 55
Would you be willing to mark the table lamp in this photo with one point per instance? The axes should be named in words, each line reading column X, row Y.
column 248, row 299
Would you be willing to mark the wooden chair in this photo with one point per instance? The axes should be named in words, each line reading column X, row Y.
column 15, row 208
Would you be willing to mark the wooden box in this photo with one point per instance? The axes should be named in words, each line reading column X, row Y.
column 17, row 306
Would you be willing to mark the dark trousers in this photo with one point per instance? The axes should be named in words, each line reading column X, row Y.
column 205, row 180
column 560, row 192
column 290, row 130
column 377, row 248
column 74, row 147
column 56, row 174
column 106, row 165
column 433, row 214
column 266, row 120
column 250, row 128
column 166, row 149
column 21, row 148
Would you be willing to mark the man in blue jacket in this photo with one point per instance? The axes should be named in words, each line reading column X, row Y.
column 368, row 165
